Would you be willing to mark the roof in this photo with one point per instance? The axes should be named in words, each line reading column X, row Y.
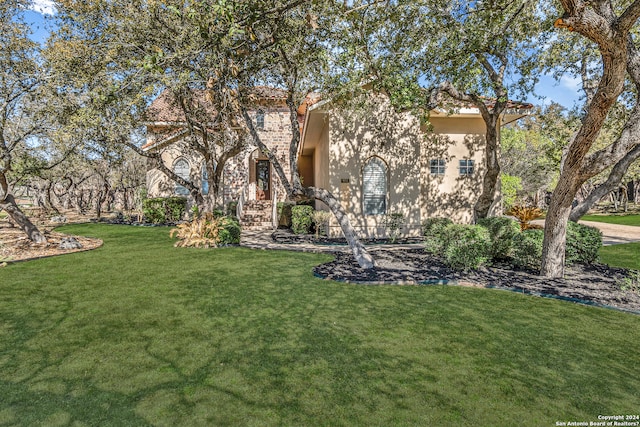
column 165, row 109
column 449, row 104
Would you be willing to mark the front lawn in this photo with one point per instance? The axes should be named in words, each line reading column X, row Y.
column 626, row 255
column 630, row 219
column 141, row 333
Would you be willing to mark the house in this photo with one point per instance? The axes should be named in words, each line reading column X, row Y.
column 375, row 160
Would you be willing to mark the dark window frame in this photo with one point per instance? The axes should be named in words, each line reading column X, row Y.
column 374, row 199
column 437, row 166
column 466, row 167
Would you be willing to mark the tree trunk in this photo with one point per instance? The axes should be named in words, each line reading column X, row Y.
column 555, row 230
column 49, row 200
column 490, row 180
column 11, row 207
column 359, row 252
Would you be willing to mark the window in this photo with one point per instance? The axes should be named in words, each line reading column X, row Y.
column 181, row 168
column 204, row 186
column 466, row 167
column 374, row 187
column 260, row 119
column 437, row 166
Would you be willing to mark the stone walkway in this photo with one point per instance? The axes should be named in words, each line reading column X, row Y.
column 262, row 240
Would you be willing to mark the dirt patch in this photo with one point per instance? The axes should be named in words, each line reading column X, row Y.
column 15, row 246
column 587, row 284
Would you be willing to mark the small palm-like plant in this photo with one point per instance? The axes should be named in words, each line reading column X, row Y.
column 201, row 232
column 321, row 220
column 525, row 214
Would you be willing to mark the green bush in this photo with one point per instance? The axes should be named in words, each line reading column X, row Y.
column 153, row 210
column 467, row 246
column 527, row 249
column 433, row 232
column 284, row 213
column 301, row 219
column 175, row 208
column 230, row 232
column 583, row 243
column 232, row 208
column 502, row 230
column 161, row 210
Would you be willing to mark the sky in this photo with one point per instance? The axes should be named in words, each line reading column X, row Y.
column 565, row 92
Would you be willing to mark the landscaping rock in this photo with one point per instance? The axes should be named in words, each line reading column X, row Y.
column 69, row 243
column 60, row 219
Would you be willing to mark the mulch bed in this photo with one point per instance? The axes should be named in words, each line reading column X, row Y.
column 588, row 284
column 286, row 236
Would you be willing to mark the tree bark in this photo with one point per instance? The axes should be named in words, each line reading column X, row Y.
column 612, row 38
column 365, row 260
column 492, row 172
column 9, row 205
column 555, row 230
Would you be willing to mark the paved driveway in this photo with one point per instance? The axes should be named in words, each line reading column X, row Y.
column 612, row 234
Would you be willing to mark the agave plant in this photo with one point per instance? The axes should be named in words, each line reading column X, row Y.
column 201, row 232
column 525, row 214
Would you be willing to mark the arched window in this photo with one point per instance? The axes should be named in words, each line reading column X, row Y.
column 260, row 119
column 374, row 187
column 204, row 186
column 181, row 168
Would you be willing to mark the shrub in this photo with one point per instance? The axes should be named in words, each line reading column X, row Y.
column 175, row 208
column 321, row 220
column 201, row 232
column 230, row 231
column 284, row 213
column 583, row 243
column 232, row 208
column 394, row 222
column 154, row 211
column 501, row 232
column 301, row 219
column 525, row 214
column 433, row 232
column 207, row 231
column 631, row 283
column 160, row 210
column 527, row 249
column 467, row 246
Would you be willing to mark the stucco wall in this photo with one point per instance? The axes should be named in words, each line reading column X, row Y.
column 350, row 139
column 394, row 138
column 452, row 195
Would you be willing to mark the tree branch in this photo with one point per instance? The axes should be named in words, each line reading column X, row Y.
column 629, row 17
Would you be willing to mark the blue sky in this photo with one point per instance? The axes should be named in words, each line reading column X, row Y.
column 565, row 92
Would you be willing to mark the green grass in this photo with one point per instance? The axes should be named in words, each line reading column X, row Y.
column 626, row 255
column 631, row 219
column 140, row 333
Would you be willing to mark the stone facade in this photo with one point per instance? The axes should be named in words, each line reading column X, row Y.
column 169, row 137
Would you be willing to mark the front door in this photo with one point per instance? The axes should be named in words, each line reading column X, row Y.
column 263, row 180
